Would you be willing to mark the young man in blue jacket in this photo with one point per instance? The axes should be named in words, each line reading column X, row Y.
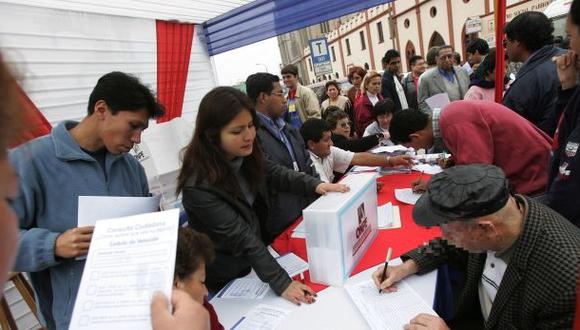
column 89, row 158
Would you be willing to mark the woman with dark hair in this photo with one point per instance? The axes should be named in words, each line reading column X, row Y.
column 382, row 113
column 339, row 123
column 194, row 251
column 225, row 179
column 334, row 98
column 484, row 89
column 355, row 77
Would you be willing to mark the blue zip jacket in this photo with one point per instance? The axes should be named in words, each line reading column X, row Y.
column 54, row 172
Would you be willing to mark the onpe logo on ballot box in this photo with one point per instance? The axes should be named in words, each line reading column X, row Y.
column 340, row 227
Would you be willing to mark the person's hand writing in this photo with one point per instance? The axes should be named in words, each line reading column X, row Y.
column 419, row 186
column 567, row 68
column 426, row 322
column 74, row 242
column 297, row 292
column 402, row 160
column 324, row 188
column 394, row 275
column 188, row 314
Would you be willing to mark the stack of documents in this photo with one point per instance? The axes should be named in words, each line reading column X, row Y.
column 389, row 216
column 427, row 169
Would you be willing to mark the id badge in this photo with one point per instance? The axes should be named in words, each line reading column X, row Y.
column 291, row 107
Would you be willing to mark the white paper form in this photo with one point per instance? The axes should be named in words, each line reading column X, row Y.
column 427, row 168
column 262, row 317
column 438, row 101
column 129, row 259
column 389, row 216
column 93, row 208
column 389, row 149
column 387, row 311
column 292, row 264
column 407, row 196
column 244, row 288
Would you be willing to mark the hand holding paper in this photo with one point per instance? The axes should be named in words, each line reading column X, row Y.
column 187, row 313
column 74, row 242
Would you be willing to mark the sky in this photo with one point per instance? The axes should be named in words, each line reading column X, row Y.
column 236, row 65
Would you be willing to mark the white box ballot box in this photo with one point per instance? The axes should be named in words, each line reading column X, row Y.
column 339, row 229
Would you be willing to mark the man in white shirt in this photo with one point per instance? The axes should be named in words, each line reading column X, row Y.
column 391, row 82
column 328, row 159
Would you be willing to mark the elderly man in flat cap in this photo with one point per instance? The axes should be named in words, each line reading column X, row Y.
column 519, row 258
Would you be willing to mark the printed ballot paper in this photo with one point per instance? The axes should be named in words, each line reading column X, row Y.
column 129, row 259
column 387, row 311
column 244, row 288
column 262, row 317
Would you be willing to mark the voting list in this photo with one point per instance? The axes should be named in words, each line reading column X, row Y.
column 129, row 259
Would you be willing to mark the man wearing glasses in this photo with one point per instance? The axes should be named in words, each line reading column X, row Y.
column 534, row 93
column 283, row 145
column 446, row 78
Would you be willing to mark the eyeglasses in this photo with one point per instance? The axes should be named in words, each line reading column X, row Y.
column 345, row 124
column 280, row 94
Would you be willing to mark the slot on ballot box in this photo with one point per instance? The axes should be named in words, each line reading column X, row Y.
column 339, row 229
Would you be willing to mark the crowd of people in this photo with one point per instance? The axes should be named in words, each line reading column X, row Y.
column 506, row 202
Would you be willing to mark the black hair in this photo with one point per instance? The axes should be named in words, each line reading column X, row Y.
column 478, row 45
column 331, row 83
column 192, row 248
column 405, row 123
column 124, row 92
column 444, row 47
column 204, row 155
column 457, row 57
column 333, row 114
column 383, row 107
column 532, row 29
column 261, row 82
column 389, row 55
column 290, row 69
column 431, row 57
column 414, row 59
column 575, row 12
column 488, row 63
column 313, row 129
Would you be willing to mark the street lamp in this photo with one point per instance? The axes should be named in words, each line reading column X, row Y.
column 264, row 65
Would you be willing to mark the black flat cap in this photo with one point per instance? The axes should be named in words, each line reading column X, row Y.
column 462, row 192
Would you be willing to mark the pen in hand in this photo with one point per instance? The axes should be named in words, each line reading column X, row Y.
column 384, row 274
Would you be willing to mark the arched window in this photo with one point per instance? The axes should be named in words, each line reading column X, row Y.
column 436, row 40
column 409, row 52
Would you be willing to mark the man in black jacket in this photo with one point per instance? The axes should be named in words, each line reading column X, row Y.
column 283, row 144
column 534, row 92
column 519, row 259
column 391, row 86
